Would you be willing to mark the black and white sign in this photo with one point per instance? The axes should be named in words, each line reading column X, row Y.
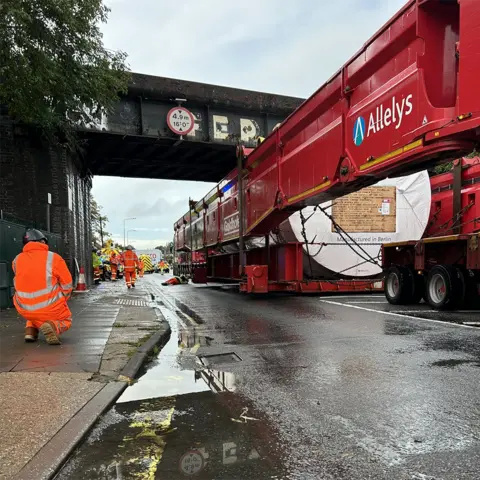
column 180, row 121
column 192, row 462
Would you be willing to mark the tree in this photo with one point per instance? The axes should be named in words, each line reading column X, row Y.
column 99, row 223
column 55, row 71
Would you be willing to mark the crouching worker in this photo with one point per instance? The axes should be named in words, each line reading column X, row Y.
column 42, row 286
column 182, row 279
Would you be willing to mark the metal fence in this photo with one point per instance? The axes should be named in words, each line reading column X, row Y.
column 11, row 235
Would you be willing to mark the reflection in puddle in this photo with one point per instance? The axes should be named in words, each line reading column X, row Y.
column 176, row 370
column 176, row 437
column 180, row 419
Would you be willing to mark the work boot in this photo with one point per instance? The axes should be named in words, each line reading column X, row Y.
column 133, row 285
column 31, row 334
column 50, row 332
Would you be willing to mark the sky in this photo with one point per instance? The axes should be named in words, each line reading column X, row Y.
column 275, row 46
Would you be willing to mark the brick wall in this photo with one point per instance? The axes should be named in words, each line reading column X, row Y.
column 29, row 170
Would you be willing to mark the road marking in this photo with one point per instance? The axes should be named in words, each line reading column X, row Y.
column 168, row 314
column 393, row 314
column 350, row 296
column 358, row 303
column 189, row 318
column 428, row 312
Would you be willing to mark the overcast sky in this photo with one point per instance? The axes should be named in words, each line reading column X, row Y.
column 277, row 46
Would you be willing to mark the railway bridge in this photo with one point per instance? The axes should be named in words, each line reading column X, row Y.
column 49, row 188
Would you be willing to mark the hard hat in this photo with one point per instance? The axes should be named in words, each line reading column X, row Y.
column 33, row 235
column 129, row 247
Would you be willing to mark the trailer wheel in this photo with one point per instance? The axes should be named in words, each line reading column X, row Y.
column 445, row 287
column 399, row 285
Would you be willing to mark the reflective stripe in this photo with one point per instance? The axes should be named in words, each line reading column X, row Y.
column 38, row 293
column 39, row 306
column 49, row 276
column 15, row 264
column 67, row 286
column 49, row 268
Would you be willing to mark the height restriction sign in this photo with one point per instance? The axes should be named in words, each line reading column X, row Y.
column 180, row 120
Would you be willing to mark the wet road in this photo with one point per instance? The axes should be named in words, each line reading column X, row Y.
column 296, row 388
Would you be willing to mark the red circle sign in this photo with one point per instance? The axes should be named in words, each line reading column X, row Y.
column 180, row 120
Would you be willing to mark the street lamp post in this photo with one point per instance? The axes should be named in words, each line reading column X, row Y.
column 131, row 230
column 124, row 228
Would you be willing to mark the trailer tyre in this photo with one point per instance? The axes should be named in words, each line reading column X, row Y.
column 399, row 285
column 445, row 287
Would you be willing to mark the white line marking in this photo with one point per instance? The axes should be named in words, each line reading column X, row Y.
column 169, row 314
column 359, row 303
column 189, row 318
column 428, row 312
column 351, row 296
column 393, row 314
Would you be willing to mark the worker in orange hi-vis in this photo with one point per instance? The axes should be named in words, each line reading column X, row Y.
column 114, row 261
column 43, row 285
column 130, row 262
column 141, row 268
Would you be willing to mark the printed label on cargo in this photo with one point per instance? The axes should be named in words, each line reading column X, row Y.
column 385, row 210
column 372, row 209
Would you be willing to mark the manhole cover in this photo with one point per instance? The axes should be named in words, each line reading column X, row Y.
column 219, row 359
column 131, row 303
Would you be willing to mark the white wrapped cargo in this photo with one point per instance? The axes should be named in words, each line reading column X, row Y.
column 392, row 210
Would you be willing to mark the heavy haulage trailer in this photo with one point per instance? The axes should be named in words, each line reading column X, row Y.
column 408, row 100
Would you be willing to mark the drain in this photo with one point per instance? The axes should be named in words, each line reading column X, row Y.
column 131, row 303
column 219, row 359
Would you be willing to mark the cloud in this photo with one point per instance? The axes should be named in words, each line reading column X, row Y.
column 259, row 45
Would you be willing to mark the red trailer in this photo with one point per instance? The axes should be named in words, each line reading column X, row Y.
column 406, row 101
column 444, row 267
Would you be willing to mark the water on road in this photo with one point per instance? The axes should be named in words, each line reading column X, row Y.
column 285, row 387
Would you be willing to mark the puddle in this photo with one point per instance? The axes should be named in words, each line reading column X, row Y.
column 178, row 371
column 219, row 359
column 181, row 419
column 167, row 375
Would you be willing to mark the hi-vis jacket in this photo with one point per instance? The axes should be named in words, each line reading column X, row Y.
column 42, row 283
column 130, row 260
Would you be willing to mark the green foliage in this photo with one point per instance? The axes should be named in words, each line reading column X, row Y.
column 443, row 168
column 55, row 71
column 447, row 167
column 99, row 223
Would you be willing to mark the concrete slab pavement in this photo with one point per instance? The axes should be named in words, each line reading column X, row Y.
column 52, row 394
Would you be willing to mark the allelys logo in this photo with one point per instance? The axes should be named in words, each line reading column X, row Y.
column 383, row 117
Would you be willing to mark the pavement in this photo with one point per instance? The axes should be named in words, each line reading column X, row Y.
column 52, row 395
column 292, row 387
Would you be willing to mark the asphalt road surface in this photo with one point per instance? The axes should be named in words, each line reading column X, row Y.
column 291, row 387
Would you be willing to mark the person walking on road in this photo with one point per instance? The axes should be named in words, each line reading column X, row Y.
column 141, row 267
column 114, row 261
column 43, row 284
column 130, row 262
